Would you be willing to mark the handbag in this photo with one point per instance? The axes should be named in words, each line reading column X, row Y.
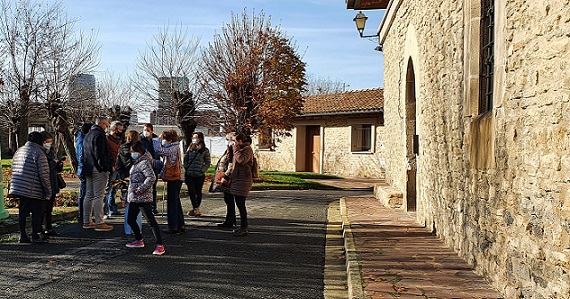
column 219, row 176
column 172, row 171
column 60, row 181
column 218, row 179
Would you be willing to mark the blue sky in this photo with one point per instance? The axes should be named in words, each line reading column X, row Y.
column 322, row 29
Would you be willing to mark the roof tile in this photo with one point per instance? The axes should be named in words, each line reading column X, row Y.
column 367, row 100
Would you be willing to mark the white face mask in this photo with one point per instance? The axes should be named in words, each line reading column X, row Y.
column 195, row 141
column 146, row 133
column 47, row 146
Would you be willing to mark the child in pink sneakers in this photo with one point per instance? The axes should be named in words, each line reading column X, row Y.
column 140, row 198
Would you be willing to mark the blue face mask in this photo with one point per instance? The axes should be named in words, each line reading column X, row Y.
column 135, row 155
column 164, row 143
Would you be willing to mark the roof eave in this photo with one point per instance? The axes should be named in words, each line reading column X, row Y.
column 341, row 113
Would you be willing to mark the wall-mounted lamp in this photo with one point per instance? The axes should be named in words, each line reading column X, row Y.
column 360, row 21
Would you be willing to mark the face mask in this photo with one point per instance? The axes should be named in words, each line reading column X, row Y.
column 135, row 155
column 146, row 133
column 164, row 143
column 232, row 143
column 47, row 146
column 194, row 141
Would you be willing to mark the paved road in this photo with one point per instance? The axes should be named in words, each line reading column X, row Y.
column 283, row 256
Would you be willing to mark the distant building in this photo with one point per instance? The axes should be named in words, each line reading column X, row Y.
column 165, row 114
column 82, row 89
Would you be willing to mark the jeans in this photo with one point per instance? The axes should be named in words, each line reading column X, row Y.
column 37, row 207
column 110, row 207
column 195, row 185
column 94, row 196
column 230, row 208
column 146, row 209
column 81, row 196
column 127, row 227
column 240, row 202
column 174, row 213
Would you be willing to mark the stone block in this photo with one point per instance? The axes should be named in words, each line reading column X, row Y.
column 389, row 196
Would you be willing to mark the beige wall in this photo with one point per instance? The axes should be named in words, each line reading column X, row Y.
column 337, row 159
column 510, row 218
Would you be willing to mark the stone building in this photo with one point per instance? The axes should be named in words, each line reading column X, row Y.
column 477, row 122
column 340, row 133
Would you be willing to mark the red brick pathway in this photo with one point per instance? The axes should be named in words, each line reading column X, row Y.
column 401, row 259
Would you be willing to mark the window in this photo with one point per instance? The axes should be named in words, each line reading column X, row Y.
column 265, row 139
column 487, row 56
column 362, row 138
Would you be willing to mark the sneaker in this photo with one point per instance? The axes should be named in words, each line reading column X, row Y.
column 89, row 225
column 51, row 233
column 159, row 250
column 155, row 211
column 135, row 244
column 103, row 227
column 241, row 232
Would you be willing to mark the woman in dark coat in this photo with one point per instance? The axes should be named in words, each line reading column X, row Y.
column 240, row 177
column 55, row 167
column 196, row 162
column 223, row 165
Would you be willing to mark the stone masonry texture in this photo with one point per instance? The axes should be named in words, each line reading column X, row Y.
column 511, row 221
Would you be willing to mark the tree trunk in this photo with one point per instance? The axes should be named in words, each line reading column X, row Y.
column 69, row 145
column 22, row 132
column 187, row 128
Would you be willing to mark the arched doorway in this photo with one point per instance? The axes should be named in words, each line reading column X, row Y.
column 412, row 139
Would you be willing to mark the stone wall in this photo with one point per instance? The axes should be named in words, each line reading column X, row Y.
column 511, row 221
column 337, row 157
column 281, row 158
column 339, row 160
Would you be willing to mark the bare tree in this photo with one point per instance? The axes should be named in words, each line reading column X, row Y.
column 165, row 74
column 119, row 96
column 42, row 53
column 253, row 75
column 319, row 85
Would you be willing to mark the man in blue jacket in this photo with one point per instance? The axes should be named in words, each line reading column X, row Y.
column 96, row 167
column 79, row 151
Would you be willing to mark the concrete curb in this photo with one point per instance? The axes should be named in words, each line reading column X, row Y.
column 353, row 270
column 15, row 228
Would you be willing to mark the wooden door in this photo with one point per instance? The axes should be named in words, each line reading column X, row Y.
column 313, row 160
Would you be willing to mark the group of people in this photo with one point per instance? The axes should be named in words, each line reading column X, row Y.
column 133, row 162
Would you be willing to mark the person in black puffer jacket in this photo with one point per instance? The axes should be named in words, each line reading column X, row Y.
column 31, row 185
column 196, row 162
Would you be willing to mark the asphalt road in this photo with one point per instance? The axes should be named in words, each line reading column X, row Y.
column 282, row 257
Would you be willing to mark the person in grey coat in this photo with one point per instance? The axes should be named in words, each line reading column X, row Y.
column 31, row 185
column 197, row 160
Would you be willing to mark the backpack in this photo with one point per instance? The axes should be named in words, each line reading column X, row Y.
column 254, row 168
